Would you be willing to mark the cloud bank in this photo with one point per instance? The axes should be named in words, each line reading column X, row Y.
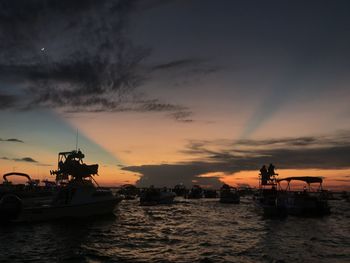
column 225, row 156
column 11, row 140
column 24, row 159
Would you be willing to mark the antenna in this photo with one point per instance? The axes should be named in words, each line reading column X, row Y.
column 76, row 141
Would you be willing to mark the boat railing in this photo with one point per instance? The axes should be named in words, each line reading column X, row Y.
column 271, row 181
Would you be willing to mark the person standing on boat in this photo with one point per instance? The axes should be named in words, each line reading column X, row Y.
column 264, row 175
column 271, row 170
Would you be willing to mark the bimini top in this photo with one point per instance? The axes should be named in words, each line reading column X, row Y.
column 19, row 174
column 307, row 179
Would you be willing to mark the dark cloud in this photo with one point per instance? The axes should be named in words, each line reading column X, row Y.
column 172, row 174
column 339, row 138
column 301, row 141
column 11, row 140
column 7, row 101
column 185, row 71
column 330, row 152
column 24, row 159
column 88, row 58
column 182, row 116
column 177, row 112
column 178, row 64
column 155, row 105
column 74, row 55
column 323, row 158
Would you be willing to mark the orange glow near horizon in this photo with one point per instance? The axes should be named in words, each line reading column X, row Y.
column 113, row 176
column 108, row 175
column 333, row 179
column 136, row 143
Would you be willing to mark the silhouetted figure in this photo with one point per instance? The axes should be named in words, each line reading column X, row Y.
column 264, row 175
column 271, row 170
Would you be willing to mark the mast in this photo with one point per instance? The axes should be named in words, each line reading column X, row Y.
column 76, row 142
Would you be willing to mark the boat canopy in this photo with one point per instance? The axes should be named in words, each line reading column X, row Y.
column 15, row 173
column 307, row 179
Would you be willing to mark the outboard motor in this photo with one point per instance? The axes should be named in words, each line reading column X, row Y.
column 10, row 207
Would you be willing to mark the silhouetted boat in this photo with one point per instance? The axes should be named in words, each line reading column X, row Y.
column 210, row 193
column 30, row 189
column 269, row 199
column 180, row 190
column 76, row 197
column 156, row 196
column 229, row 195
column 196, row 192
column 306, row 202
column 129, row 191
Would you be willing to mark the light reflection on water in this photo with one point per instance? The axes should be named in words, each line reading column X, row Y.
column 188, row 231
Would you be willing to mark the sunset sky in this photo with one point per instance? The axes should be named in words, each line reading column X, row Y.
column 177, row 91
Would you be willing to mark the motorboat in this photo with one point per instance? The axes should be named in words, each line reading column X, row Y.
column 309, row 201
column 196, row 192
column 156, row 196
column 210, row 193
column 229, row 195
column 30, row 189
column 128, row 191
column 78, row 195
column 271, row 201
column 268, row 198
column 180, row 190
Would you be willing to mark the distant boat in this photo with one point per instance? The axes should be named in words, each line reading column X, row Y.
column 196, row 192
column 210, row 193
column 77, row 195
column 28, row 190
column 306, row 202
column 155, row 196
column 129, row 191
column 229, row 195
column 180, row 190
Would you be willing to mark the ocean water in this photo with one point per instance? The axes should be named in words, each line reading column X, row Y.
column 188, row 231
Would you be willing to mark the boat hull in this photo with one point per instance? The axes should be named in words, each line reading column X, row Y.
column 307, row 206
column 272, row 206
